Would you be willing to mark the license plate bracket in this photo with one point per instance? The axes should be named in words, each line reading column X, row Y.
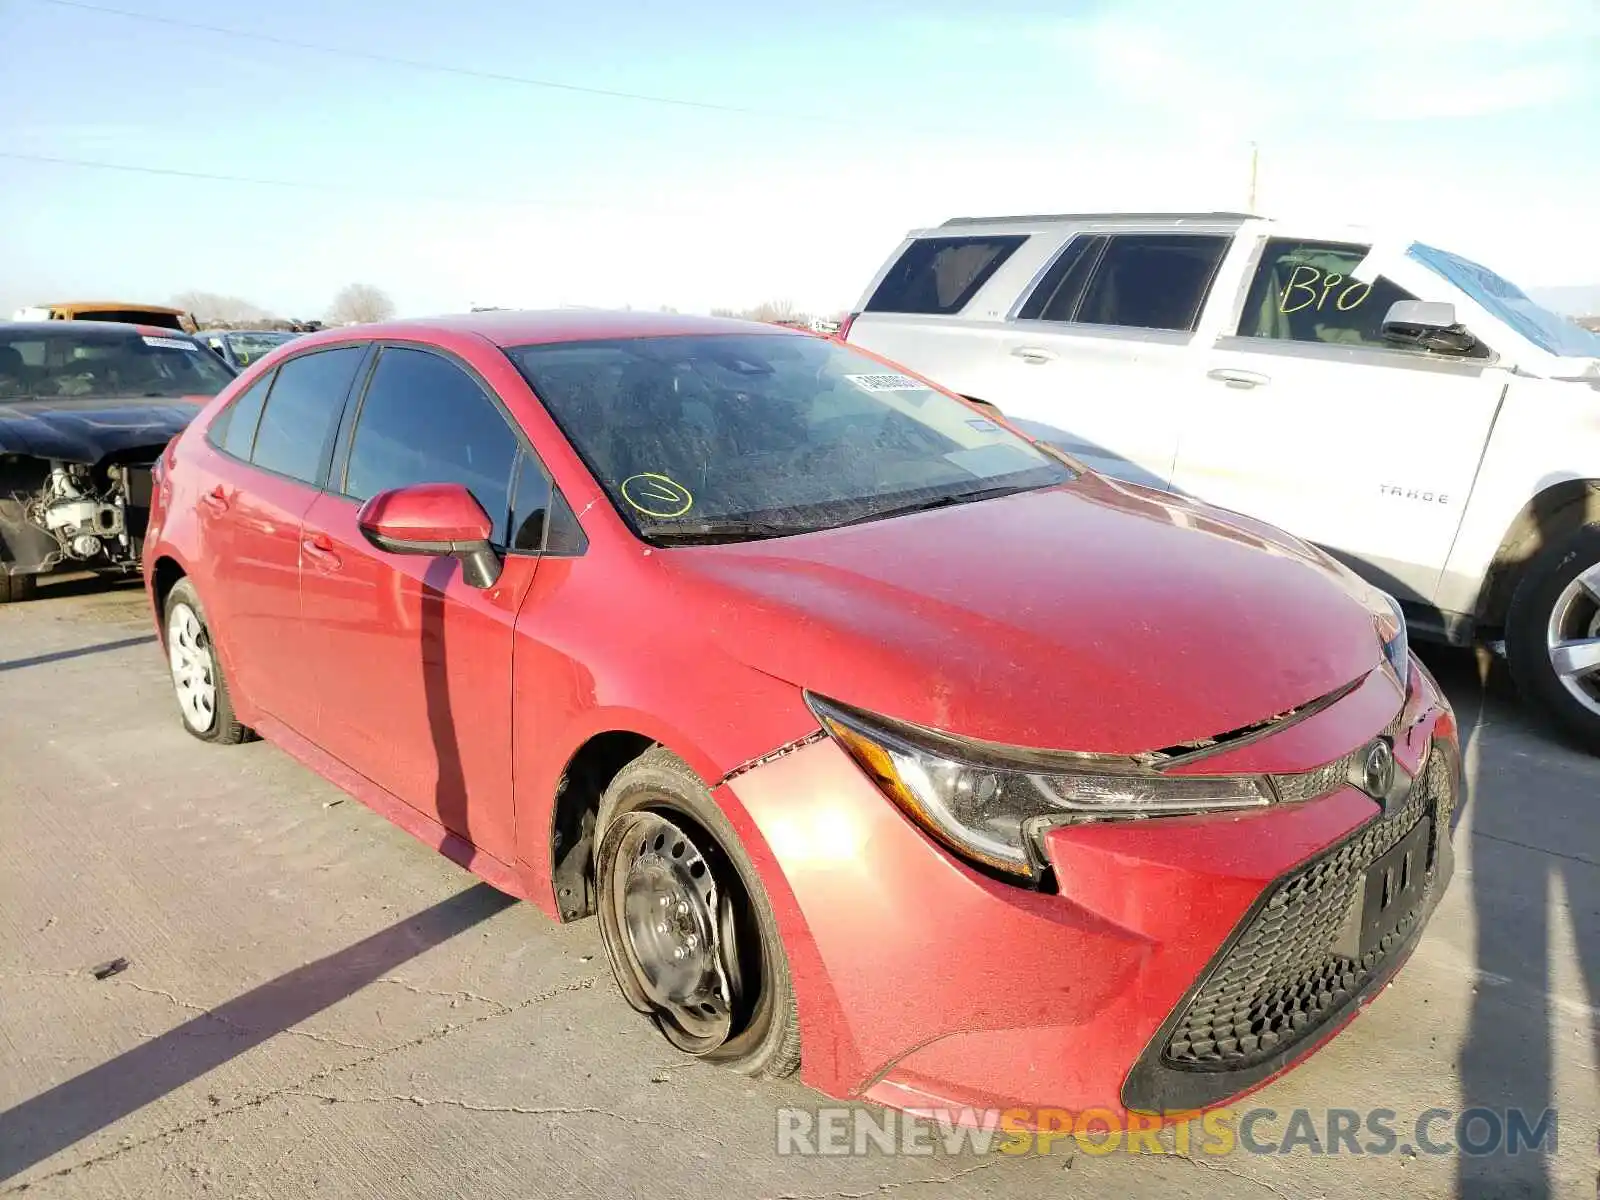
column 1394, row 886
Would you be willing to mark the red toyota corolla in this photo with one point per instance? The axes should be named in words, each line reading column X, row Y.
column 884, row 743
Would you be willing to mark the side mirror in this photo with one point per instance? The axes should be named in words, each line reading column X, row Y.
column 436, row 519
column 1427, row 325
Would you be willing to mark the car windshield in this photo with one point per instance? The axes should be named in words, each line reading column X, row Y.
column 731, row 437
column 247, row 347
column 1548, row 330
column 85, row 360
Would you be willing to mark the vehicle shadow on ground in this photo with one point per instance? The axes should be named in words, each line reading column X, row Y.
column 1520, row 873
column 53, row 1120
column 39, row 660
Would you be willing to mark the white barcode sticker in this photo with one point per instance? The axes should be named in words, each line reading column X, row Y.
column 887, row 383
column 166, row 343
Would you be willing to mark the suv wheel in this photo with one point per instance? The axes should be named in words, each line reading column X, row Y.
column 1553, row 634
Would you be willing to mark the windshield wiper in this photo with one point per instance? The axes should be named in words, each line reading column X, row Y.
column 945, row 501
column 706, row 533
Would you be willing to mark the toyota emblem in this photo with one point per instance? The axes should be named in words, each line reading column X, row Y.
column 1377, row 770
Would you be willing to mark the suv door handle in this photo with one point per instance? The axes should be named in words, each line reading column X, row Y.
column 1239, row 379
column 216, row 499
column 1033, row 354
column 319, row 549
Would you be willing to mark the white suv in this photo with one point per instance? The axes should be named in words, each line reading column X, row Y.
column 1411, row 412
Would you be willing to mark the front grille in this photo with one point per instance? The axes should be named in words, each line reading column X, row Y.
column 1308, row 785
column 1282, row 978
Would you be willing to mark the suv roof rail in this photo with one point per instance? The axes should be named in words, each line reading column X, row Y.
column 1101, row 216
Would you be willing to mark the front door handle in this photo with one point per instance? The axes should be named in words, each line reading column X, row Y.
column 319, row 550
column 216, row 499
column 1033, row 354
column 1239, row 379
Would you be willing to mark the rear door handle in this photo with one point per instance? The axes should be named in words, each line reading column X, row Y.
column 1033, row 354
column 216, row 499
column 319, row 549
column 1239, row 379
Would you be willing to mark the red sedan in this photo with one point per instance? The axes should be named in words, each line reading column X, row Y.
column 885, row 744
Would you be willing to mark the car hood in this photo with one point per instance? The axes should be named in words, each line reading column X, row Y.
column 87, row 429
column 1095, row 616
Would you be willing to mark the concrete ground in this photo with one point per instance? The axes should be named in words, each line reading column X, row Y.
column 317, row 1005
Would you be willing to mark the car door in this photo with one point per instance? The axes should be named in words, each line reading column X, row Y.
column 274, row 445
column 1308, row 419
column 1097, row 359
column 413, row 663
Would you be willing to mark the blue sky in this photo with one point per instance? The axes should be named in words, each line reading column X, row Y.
column 1472, row 123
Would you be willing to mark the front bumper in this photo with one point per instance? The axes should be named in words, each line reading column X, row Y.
column 923, row 983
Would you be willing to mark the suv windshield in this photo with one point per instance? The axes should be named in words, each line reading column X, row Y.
column 730, row 437
column 1548, row 330
column 85, row 360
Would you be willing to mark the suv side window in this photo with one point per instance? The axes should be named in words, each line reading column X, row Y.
column 302, row 411
column 940, row 274
column 1305, row 292
column 234, row 429
column 1058, row 292
column 425, row 420
column 1146, row 281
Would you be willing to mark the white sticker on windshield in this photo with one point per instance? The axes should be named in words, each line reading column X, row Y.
column 887, row 383
column 166, row 343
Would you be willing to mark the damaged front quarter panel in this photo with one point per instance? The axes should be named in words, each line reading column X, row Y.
column 75, row 480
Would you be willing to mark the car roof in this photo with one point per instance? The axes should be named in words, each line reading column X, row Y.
column 524, row 328
column 91, row 329
column 120, row 305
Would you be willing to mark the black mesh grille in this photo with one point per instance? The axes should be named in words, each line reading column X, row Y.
column 1308, row 785
column 1283, row 977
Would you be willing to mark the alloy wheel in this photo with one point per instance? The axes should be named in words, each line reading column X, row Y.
column 1573, row 638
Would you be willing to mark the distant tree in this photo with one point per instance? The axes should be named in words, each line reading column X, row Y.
column 774, row 310
column 725, row 312
column 212, row 310
column 359, row 303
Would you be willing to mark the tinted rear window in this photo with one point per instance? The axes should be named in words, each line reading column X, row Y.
column 939, row 275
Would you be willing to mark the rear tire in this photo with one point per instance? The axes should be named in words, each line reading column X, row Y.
column 204, row 702
column 658, row 828
column 16, row 588
column 1553, row 632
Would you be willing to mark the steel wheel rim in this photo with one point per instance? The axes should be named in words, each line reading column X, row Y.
column 1573, row 638
column 193, row 673
column 668, row 930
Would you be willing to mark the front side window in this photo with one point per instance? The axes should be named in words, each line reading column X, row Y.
column 302, row 410
column 940, row 274
column 737, row 436
column 425, row 420
column 1148, row 281
column 1308, row 292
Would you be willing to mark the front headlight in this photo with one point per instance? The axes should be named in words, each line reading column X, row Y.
column 1396, row 644
column 987, row 803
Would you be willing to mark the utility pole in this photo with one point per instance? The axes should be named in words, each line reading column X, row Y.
column 1255, row 162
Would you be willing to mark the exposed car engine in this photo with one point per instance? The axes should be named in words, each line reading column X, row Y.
column 94, row 515
column 82, row 519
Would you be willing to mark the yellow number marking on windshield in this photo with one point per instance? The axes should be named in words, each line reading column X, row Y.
column 657, row 495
